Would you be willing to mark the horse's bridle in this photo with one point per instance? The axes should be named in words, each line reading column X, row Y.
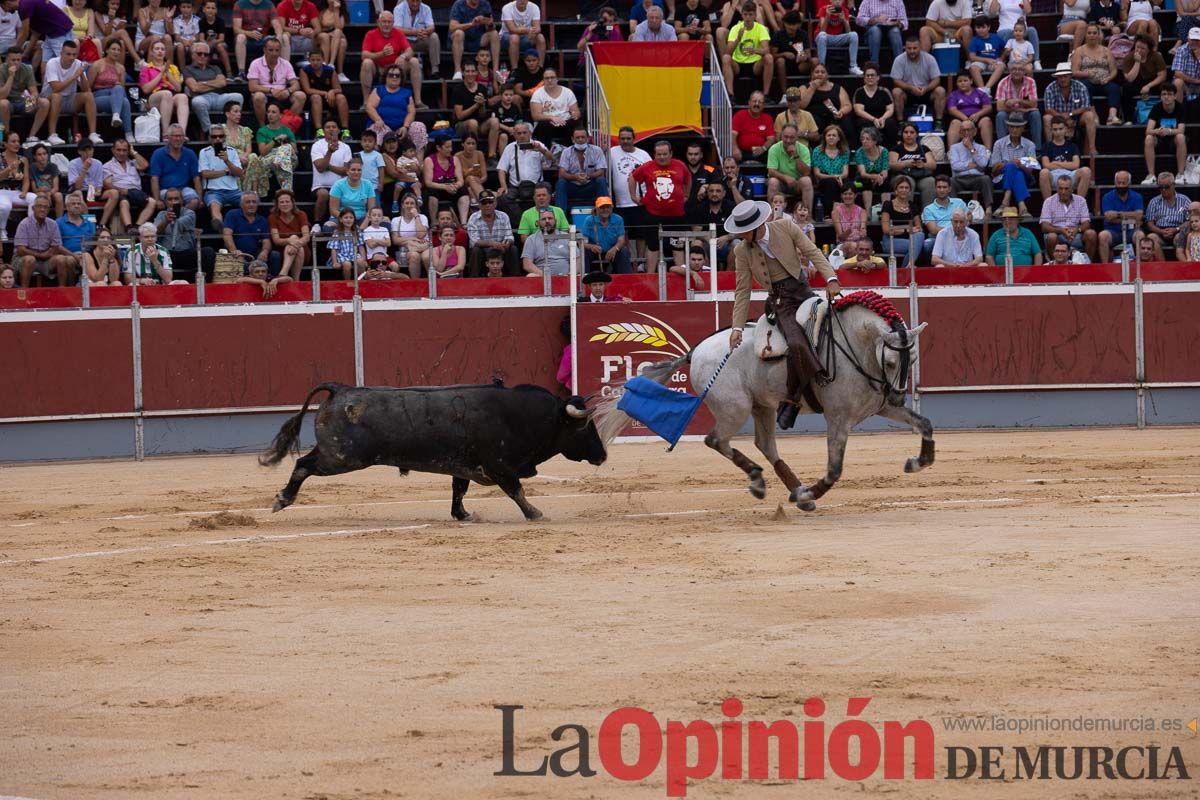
column 891, row 389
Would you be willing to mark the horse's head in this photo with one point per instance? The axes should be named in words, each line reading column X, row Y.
column 894, row 351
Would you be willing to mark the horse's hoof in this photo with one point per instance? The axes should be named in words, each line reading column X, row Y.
column 800, row 494
column 807, row 505
column 758, row 489
column 913, row 465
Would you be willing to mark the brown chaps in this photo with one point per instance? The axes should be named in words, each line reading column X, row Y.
column 803, row 364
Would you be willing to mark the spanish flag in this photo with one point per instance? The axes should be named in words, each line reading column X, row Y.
column 653, row 87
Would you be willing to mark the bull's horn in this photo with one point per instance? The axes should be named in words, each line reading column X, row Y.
column 578, row 413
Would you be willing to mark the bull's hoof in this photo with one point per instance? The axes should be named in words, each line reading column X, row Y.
column 533, row 515
column 758, row 487
column 464, row 517
column 280, row 503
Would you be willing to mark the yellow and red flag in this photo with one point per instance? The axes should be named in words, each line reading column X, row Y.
column 653, row 87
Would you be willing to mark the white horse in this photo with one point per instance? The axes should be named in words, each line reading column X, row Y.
column 869, row 363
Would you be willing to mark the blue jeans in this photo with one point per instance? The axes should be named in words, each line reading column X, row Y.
column 52, row 46
column 875, row 41
column 1012, row 179
column 569, row 190
column 115, row 101
column 204, row 104
column 228, row 198
column 900, row 245
column 1031, row 34
column 1034, row 125
column 620, row 265
column 838, row 40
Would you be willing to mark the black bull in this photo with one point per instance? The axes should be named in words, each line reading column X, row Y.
column 488, row 434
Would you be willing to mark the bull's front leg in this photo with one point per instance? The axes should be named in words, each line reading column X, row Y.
column 457, row 511
column 512, row 487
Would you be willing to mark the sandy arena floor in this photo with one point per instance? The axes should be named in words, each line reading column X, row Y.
column 354, row 645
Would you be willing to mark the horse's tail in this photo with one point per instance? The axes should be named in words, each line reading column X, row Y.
column 289, row 434
column 610, row 420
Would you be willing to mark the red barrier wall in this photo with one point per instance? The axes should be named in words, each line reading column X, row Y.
column 1172, row 334
column 71, row 366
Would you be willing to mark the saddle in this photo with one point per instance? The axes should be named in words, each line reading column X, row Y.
column 769, row 341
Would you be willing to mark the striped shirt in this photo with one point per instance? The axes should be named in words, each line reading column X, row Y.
column 1166, row 215
column 1006, row 91
column 140, row 266
column 1078, row 97
column 1059, row 215
column 1187, row 63
column 893, row 9
column 499, row 231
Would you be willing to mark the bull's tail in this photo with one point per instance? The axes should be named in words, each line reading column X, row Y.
column 289, row 434
column 610, row 420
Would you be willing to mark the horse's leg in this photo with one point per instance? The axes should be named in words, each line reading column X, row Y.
column 718, row 440
column 764, row 439
column 919, row 425
column 835, row 439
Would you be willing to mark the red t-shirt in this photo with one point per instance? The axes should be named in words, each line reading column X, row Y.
column 374, row 42
column 831, row 27
column 296, row 18
column 663, row 187
column 752, row 132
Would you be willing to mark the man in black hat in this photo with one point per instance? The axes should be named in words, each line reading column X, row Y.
column 775, row 254
column 597, row 286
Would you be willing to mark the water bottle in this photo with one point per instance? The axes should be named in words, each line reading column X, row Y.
column 819, row 213
column 91, row 193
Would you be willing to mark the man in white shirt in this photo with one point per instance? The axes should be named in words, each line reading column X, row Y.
column 623, row 159
column 66, row 86
column 521, row 30
column 330, row 156
column 521, row 162
column 957, row 245
column 415, row 21
column 653, row 29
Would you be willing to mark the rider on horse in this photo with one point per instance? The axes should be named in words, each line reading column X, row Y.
column 774, row 254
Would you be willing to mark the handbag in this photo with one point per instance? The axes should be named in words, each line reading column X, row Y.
column 1144, row 106
column 292, row 120
column 524, row 189
column 147, row 128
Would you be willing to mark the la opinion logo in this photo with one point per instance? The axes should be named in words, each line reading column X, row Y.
column 662, row 339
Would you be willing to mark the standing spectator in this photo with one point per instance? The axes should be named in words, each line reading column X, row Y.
column 123, row 175
column 522, row 29
column 983, row 54
column 320, row 84
column 472, row 27
column 827, row 102
column 664, row 183
column 1059, row 158
column 753, row 130
column 290, row 234
column 106, row 80
column 391, row 109
column 606, row 240
column 330, row 155
column 147, row 263
column 957, row 245
column 1065, row 215
column 874, row 106
column 385, row 46
column 1015, row 241
column 75, row 229
column 969, row 163
column 916, row 74
column 490, row 230
column 352, row 192
column 162, row 86
column 249, row 233
column 253, row 22
column 67, row 87
column 653, row 29
column 44, row 19
column 213, row 32
column 790, row 50
column 1069, row 100
column 1013, row 161
column 833, row 29
column 881, row 17
column 1017, row 93
column 623, row 159
column 582, row 171
column 1166, row 214
column 220, row 169
column 748, row 51
column 969, row 103
column 913, row 160
column 1120, row 208
column 898, row 220
column 276, row 145
column 1165, row 134
column 19, row 92
column 176, row 228
column 789, row 167
column 1144, row 70
column 605, row 29
column 949, row 19
column 102, row 266
column 471, row 102
column 415, row 21
column 541, row 253
column 806, row 127
column 85, row 174
column 299, row 27
column 553, row 108
column 1186, row 67
column 271, row 78
column 39, row 248
column 1011, row 12
column 715, row 210
column 206, row 84
column 831, row 167
column 176, row 166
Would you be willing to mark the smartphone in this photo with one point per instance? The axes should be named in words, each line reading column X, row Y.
column 525, row 146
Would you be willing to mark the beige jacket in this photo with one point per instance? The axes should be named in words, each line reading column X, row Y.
column 791, row 248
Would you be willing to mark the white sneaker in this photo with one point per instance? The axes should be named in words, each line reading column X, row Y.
column 1150, row 180
column 986, row 90
column 56, row 140
column 856, row 71
column 95, row 138
column 343, row 77
column 31, row 140
column 3, row 235
column 1181, row 179
column 457, row 76
column 116, row 119
column 1037, row 65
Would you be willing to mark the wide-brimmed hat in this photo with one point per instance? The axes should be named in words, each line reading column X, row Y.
column 597, row 277
column 1016, row 118
column 1063, row 68
column 747, row 215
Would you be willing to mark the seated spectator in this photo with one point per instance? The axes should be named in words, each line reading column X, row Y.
column 1014, row 159
column 553, row 108
column 1185, row 66
column 253, row 23
column 8, row 277
column 653, row 28
column 521, row 30
column 385, row 48
column 506, row 115
column 1138, row 17
column 347, row 248
column 176, row 229
column 831, row 167
column 916, row 76
column 174, row 166
column 527, row 77
column 606, row 28
column 402, row 171
column 260, row 275
column 147, row 263
column 1166, row 213
column 1019, row 48
column 861, row 257
column 374, row 167
column 377, row 239
column 849, row 218
column 898, row 219
column 249, row 233
column 39, row 248
column 1011, row 12
column 472, row 28
column 391, row 108
column 447, row 259
column 441, row 180
column 827, row 102
column 290, row 234
column 1121, row 209
column 42, row 179
column 984, row 55
column 833, row 28
column 213, row 32
column 753, row 130
column 1187, row 14
column 1143, row 70
column 85, row 174
column 1189, row 248
column 739, row 185
column 1094, row 66
column 296, row 25
column 1059, row 158
column 528, row 224
column 1066, row 215
column 330, row 155
column 542, row 254
column 1069, row 100
column 793, row 114
column 1017, row 93
column 520, row 169
column 185, row 29
column 106, row 80
column 272, row 78
column 945, row 20
column 957, row 245
column 748, row 50
column 220, row 169
column 122, row 175
column 162, row 86
column 13, row 170
column 789, row 167
column 493, row 264
column 885, row 17
column 582, row 171
column 871, row 164
column 790, row 49
column 320, row 84
column 67, row 86
column 1015, row 241
column 490, row 231
column 700, row 174
column 874, row 106
column 715, row 209
column 277, row 157
column 102, row 266
column 936, row 216
column 1165, row 133
column 1060, row 256
column 969, row 163
column 19, row 92
column 913, row 160
column 154, row 27
column 74, row 229
column 605, row 249
column 472, row 103
column 410, row 234
column 969, row 103
column 206, row 84
column 352, row 192
column 447, row 217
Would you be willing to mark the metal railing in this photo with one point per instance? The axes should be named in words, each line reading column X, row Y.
column 720, row 107
column 599, row 115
